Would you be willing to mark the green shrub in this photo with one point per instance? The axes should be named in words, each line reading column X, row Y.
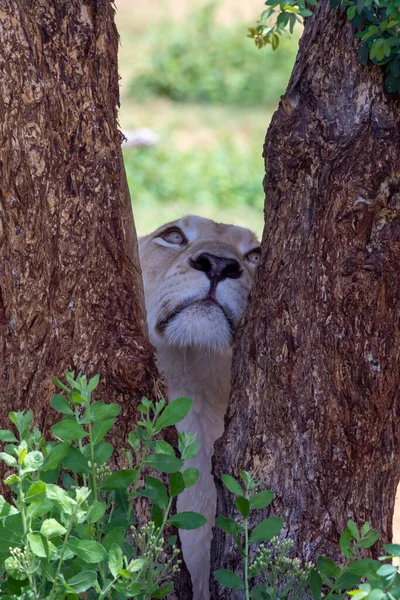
column 269, row 574
column 223, row 177
column 202, row 61
column 70, row 542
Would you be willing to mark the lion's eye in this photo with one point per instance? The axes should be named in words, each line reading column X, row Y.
column 174, row 236
column 254, row 256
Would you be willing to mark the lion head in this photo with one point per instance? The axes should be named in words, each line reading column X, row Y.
column 197, row 276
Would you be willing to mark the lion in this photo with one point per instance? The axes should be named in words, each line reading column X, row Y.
column 197, row 276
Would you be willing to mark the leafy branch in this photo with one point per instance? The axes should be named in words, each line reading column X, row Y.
column 376, row 22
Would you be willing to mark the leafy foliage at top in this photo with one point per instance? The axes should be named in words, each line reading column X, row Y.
column 377, row 23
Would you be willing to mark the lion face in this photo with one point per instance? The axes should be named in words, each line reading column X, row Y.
column 197, row 276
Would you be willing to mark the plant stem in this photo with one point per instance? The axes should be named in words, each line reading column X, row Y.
column 246, row 562
column 104, row 592
column 53, row 589
column 136, row 482
column 22, row 504
column 93, row 466
column 166, row 515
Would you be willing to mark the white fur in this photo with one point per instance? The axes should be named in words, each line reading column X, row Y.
column 194, row 351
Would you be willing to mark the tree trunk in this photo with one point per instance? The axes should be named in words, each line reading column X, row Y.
column 70, row 284
column 71, row 293
column 315, row 401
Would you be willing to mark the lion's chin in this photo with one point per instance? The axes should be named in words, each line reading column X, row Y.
column 200, row 325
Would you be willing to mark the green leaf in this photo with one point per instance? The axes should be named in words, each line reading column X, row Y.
column 7, row 436
column 353, row 529
column 115, row 523
column 176, row 484
column 376, row 594
column 369, row 539
column 40, row 546
column 12, row 479
column 365, row 528
column 77, row 398
column 82, row 581
column 88, row 550
column 260, row 592
column 122, row 500
column 163, row 591
column 6, row 509
column 228, row 579
column 93, row 383
column 228, row 525
column 156, row 491
column 364, row 566
column 99, row 411
column 102, row 453
column 118, row 480
column 61, row 385
column 10, row 461
column 162, row 447
column 38, row 509
column 232, row 485
column 328, row 568
column 347, row 580
column 55, row 456
column 32, row 462
column 187, row 520
column 22, row 420
column 262, row 499
column 9, row 538
column 76, row 462
column 315, row 583
column 50, row 476
column 115, row 560
column 15, row 524
column 164, row 463
column 51, row 528
column 351, row 12
column 243, row 506
column 157, row 515
column 61, row 405
column 173, row 413
column 387, row 570
column 100, row 429
column 304, row 12
column 267, row 529
column 393, row 549
column 115, row 536
column 190, row 476
column 96, row 511
column 68, row 430
column 345, row 543
column 60, row 498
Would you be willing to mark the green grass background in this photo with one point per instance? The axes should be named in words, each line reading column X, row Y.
column 189, row 72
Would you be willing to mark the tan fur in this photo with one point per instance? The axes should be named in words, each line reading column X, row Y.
column 193, row 338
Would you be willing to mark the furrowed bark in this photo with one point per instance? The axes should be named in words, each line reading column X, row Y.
column 70, row 284
column 71, row 291
column 315, row 400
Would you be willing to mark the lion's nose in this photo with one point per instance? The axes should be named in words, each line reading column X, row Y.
column 216, row 268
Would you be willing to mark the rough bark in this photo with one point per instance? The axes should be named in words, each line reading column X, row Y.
column 315, row 400
column 71, row 292
column 70, row 284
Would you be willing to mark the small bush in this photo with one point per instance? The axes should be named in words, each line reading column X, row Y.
column 71, row 541
column 201, row 61
column 222, row 176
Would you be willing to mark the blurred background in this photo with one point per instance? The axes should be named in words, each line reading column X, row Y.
column 191, row 76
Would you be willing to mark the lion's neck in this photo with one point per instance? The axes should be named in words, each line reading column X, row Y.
column 206, row 379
